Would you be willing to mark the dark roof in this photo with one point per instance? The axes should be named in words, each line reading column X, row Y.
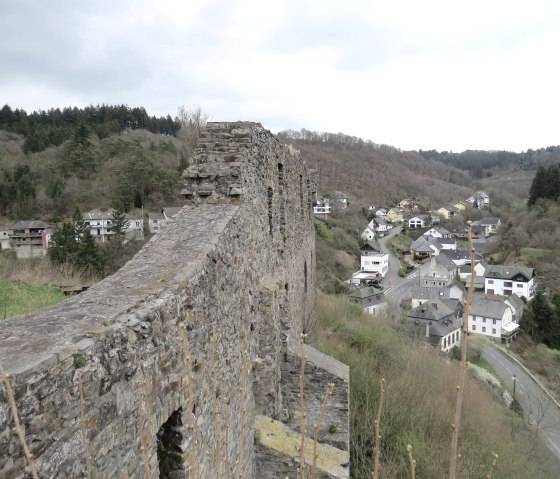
column 461, row 253
column 421, row 245
column 367, row 296
column 492, row 221
column 439, row 315
column 370, row 246
column 421, row 292
column 509, row 272
column 29, row 224
column 488, row 306
column 444, row 260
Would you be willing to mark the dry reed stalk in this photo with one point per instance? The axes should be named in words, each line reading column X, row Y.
column 83, row 427
column 21, row 436
column 302, row 407
column 328, row 392
column 412, row 462
column 242, row 412
column 377, row 442
column 492, row 466
column 189, row 398
column 463, row 369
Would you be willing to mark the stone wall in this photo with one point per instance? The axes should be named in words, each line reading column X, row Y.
column 161, row 369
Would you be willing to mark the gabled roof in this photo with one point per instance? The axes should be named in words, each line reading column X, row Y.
column 433, row 310
column 419, row 217
column 444, row 260
column 443, row 241
column 462, row 254
column 29, row 224
column 421, row 292
column 370, row 246
column 491, row 221
column 170, row 211
column 421, row 245
column 364, row 293
column 99, row 214
column 516, row 302
column 509, row 272
column 488, row 306
column 156, row 216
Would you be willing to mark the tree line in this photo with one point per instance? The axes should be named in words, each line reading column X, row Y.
column 44, row 128
column 546, row 184
column 479, row 163
column 542, row 318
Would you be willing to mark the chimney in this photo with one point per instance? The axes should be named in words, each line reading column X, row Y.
column 434, row 305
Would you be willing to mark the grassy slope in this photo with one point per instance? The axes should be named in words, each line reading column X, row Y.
column 17, row 297
column 419, row 404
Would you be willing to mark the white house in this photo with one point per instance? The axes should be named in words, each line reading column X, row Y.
column 506, row 280
column 5, row 239
column 369, row 233
column 417, row 221
column 380, row 225
column 371, row 299
column 100, row 220
column 372, row 260
column 438, row 232
column 491, row 316
column 422, row 294
column 322, row 207
column 381, row 213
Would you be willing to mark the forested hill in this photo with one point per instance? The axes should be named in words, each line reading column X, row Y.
column 378, row 173
column 481, row 164
column 42, row 129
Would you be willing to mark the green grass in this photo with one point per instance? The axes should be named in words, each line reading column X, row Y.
column 17, row 297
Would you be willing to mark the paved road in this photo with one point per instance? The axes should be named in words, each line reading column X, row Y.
column 539, row 409
column 395, row 286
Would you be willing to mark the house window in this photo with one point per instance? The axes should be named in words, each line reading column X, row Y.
column 493, row 330
column 483, row 320
column 520, row 285
column 474, row 327
column 490, row 281
column 507, row 284
column 483, row 329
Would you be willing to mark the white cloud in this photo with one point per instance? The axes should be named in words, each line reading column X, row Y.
column 433, row 74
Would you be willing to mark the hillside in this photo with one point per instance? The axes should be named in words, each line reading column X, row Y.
column 379, row 174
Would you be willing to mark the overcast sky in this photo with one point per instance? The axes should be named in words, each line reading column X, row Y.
column 413, row 74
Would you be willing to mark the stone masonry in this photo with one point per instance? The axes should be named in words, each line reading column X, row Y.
column 183, row 362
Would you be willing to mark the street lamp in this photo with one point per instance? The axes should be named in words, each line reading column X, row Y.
column 514, row 381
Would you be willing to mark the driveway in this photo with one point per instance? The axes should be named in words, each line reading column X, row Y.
column 540, row 410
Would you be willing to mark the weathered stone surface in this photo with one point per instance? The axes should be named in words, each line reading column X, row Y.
column 192, row 329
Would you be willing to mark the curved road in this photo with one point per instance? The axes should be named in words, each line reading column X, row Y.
column 540, row 410
column 395, row 286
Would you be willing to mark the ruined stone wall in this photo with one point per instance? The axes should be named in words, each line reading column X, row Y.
column 161, row 369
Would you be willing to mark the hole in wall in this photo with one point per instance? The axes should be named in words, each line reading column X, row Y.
column 170, row 437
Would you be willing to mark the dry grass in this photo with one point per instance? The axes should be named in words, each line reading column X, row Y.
column 419, row 404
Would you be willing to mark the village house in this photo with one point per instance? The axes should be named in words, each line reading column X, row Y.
column 419, row 221
column 491, row 316
column 30, row 238
column 490, row 225
column 157, row 221
column 506, row 280
column 381, row 213
column 369, row 233
column 369, row 207
column 438, row 271
column 439, row 323
column 5, row 239
column 438, row 232
column 460, row 205
column 100, row 220
column 372, row 260
column 322, row 207
column 371, row 299
column 380, row 226
column 395, row 215
column 424, row 247
column 480, row 268
column 408, row 205
column 421, row 294
column 447, row 212
column 462, row 256
column 448, row 244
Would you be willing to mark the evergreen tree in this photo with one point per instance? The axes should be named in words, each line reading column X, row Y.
column 119, row 225
column 89, row 259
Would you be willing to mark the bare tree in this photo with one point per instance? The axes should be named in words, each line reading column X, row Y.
column 193, row 122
